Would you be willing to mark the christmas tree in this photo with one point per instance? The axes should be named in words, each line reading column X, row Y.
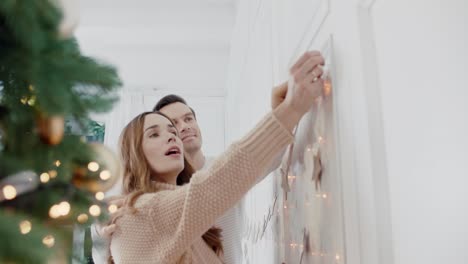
column 50, row 179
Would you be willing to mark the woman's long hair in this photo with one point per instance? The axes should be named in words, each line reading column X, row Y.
column 137, row 174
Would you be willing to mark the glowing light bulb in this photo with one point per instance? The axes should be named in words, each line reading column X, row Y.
column 54, row 211
column 57, row 163
column 53, row 173
column 45, row 177
column 93, row 166
column 64, row 208
column 99, row 196
column 105, row 175
column 9, row 192
column 94, row 210
column 25, row 227
column 48, row 241
column 82, row 218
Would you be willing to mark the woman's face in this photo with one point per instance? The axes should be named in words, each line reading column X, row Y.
column 163, row 148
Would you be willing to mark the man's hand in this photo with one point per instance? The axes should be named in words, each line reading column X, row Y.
column 106, row 231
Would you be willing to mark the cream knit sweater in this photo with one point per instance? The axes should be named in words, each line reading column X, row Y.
column 169, row 224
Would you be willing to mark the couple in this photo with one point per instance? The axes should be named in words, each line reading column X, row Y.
column 170, row 210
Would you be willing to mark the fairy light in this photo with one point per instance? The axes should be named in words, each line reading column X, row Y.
column 53, row 173
column 57, row 163
column 9, row 192
column 64, row 208
column 54, row 211
column 337, row 257
column 94, row 210
column 105, row 175
column 93, row 166
column 112, row 208
column 99, row 196
column 291, row 177
column 320, row 139
column 327, row 87
column 48, row 241
column 24, row 100
column 25, row 227
column 82, row 218
column 32, row 100
column 324, row 196
column 44, row 177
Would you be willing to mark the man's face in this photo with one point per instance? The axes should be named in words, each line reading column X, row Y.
column 187, row 125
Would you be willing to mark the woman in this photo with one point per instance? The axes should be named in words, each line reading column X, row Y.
column 164, row 221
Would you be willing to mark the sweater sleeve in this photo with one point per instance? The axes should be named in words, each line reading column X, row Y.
column 182, row 215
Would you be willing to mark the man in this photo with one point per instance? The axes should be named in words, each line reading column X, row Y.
column 184, row 117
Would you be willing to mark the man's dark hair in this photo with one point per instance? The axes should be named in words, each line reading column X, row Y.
column 170, row 99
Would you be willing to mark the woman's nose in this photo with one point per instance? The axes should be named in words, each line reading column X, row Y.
column 172, row 138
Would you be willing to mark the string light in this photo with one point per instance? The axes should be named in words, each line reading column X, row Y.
column 24, row 100
column 57, row 163
column 291, row 177
column 327, row 87
column 324, row 196
column 82, row 218
column 9, row 192
column 25, row 227
column 99, row 196
column 53, row 173
column 94, row 210
column 105, row 175
column 320, row 139
column 54, row 211
column 44, row 177
column 337, row 257
column 48, row 241
column 32, row 100
column 64, row 208
column 93, row 166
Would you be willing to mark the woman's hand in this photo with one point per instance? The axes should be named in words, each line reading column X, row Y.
column 305, row 84
column 290, row 101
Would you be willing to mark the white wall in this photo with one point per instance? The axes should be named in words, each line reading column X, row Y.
column 423, row 61
column 162, row 47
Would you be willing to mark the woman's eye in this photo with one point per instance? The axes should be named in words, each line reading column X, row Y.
column 154, row 135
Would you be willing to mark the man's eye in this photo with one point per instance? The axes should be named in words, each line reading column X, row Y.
column 174, row 132
column 188, row 119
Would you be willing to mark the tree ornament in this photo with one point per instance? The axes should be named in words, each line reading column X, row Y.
column 98, row 174
column 51, row 128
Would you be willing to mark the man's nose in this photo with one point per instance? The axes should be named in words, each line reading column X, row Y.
column 183, row 127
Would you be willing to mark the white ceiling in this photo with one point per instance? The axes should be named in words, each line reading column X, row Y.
column 161, row 44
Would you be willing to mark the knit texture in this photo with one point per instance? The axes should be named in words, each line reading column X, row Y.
column 170, row 222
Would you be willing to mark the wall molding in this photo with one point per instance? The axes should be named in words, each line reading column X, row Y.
column 381, row 212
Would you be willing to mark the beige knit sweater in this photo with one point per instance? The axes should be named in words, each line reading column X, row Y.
column 169, row 224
